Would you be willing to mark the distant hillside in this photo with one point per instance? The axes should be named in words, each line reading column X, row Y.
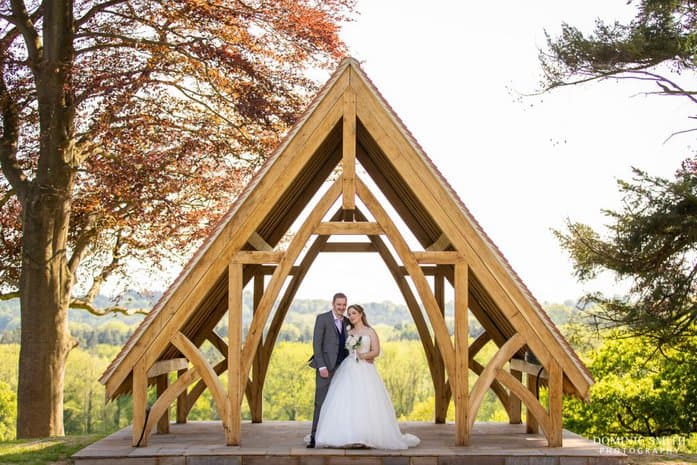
column 393, row 320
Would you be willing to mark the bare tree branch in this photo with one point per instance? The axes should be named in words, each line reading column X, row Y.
column 6, row 198
column 92, row 12
column 25, row 24
column 84, row 305
column 9, row 295
column 8, row 144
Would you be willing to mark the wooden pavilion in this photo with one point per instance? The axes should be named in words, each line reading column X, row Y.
column 325, row 178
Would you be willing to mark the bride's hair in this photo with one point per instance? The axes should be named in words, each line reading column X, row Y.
column 360, row 310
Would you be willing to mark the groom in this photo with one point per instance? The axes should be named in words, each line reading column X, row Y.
column 328, row 346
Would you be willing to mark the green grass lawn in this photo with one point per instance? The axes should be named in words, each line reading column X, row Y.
column 44, row 451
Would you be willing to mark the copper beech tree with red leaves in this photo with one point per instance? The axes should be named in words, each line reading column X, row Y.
column 128, row 126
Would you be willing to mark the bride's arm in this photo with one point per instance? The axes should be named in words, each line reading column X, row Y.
column 374, row 347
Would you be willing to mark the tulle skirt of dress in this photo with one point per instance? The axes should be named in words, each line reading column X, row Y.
column 357, row 411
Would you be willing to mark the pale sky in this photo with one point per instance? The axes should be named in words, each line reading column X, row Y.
column 454, row 73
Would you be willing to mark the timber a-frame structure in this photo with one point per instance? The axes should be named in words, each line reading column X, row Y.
column 323, row 178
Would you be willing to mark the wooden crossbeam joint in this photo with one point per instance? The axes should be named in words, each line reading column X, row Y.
column 163, row 367
column 257, row 257
column 349, row 228
column 259, row 243
column 437, row 258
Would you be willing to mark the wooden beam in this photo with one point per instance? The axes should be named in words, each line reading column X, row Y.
column 441, row 244
column 162, row 367
column 461, row 388
column 349, row 228
column 279, row 276
column 556, row 393
column 255, row 400
column 269, row 269
column 348, row 159
column 442, row 396
column 478, row 344
column 195, row 356
column 499, row 359
column 163, row 422
column 257, row 257
column 182, row 401
column 530, row 368
column 531, row 424
column 534, row 408
column 165, row 400
column 437, row 258
column 409, row 298
column 437, row 321
column 349, row 247
column 259, row 243
column 235, row 373
column 139, row 398
column 396, row 199
column 514, row 407
column 289, row 295
column 427, row 270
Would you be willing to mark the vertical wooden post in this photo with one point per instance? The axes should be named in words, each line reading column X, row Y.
column 234, row 355
column 182, row 402
column 461, row 389
column 531, row 425
column 163, row 422
column 442, row 399
column 255, row 401
column 140, row 400
column 348, row 160
column 514, row 404
column 555, row 380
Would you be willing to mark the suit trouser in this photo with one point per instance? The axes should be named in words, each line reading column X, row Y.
column 321, row 389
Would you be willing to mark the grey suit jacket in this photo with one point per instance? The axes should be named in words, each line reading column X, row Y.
column 325, row 341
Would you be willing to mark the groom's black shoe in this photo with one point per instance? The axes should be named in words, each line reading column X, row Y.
column 311, row 444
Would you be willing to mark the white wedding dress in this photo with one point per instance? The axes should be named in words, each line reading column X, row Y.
column 357, row 411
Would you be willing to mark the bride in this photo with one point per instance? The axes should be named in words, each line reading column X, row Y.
column 357, row 411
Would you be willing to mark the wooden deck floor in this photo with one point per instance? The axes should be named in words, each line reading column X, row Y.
column 203, row 443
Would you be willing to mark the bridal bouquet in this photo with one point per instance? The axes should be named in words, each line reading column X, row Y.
column 353, row 342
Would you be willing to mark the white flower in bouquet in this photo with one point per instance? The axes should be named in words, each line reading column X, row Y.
column 353, row 342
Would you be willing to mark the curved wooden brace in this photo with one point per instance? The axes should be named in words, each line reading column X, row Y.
column 195, row 356
column 408, row 295
column 289, row 294
column 427, row 298
column 219, row 369
column 279, row 275
column 217, row 342
column 485, row 380
column 166, row 398
column 198, row 389
column 478, row 344
column 477, row 367
column 532, row 404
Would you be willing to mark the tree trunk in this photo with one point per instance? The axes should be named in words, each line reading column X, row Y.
column 45, row 292
column 46, row 280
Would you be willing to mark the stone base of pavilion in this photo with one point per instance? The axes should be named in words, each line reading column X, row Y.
column 281, row 442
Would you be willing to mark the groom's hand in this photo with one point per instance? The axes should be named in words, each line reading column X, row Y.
column 323, row 372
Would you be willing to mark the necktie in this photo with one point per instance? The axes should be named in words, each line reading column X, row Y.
column 337, row 323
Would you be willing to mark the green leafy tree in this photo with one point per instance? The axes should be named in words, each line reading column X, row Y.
column 638, row 391
column 653, row 239
column 652, row 243
column 8, row 412
column 290, row 384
